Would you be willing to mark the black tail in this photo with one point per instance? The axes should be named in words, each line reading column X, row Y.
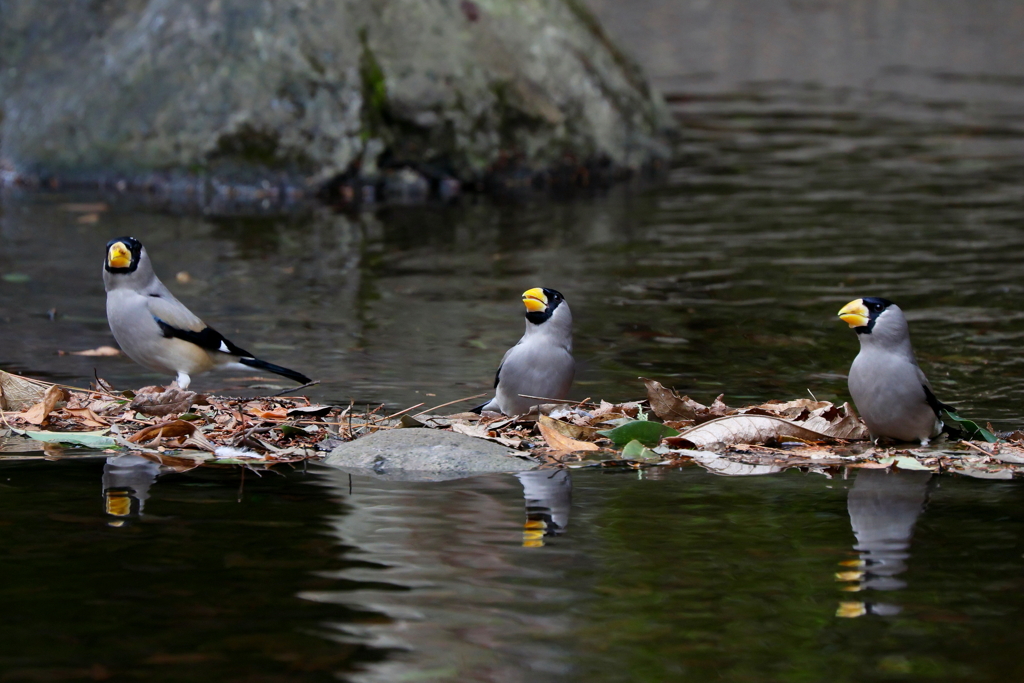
column 276, row 369
column 936, row 405
column 480, row 408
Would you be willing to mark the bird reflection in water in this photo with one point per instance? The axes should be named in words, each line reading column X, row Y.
column 884, row 506
column 126, row 482
column 548, row 497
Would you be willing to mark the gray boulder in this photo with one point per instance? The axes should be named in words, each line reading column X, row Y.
column 310, row 90
column 425, row 454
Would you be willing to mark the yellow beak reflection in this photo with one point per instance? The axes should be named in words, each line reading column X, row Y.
column 855, row 314
column 118, row 503
column 119, row 256
column 851, row 610
column 535, row 300
column 533, row 533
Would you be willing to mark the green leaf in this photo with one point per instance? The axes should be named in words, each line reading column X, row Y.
column 188, row 416
column 98, row 439
column 646, row 432
column 292, row 430
column 16, row 278
column 634, row 450
column 971, row 429
column 905, row 462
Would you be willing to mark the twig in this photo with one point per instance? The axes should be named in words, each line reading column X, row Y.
column 284, row 392
column 43, row 382
column 401, row 412
column 450, row 403
column 977, row 448
column 555, row 400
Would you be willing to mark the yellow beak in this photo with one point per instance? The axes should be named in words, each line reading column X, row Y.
column 119, row 256
column 535, row 300
column 855, row 313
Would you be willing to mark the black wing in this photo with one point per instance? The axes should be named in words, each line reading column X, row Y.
column 480, row 408
column 206, row 338
column 212, row 340
column 936, row 405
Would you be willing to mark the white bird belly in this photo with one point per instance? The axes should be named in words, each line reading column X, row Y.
column 889, row 395
column 546, row 372
column 141, row 338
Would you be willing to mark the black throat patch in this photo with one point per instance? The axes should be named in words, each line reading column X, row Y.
column 554, row 299
column 539, row 317
column 876, row 305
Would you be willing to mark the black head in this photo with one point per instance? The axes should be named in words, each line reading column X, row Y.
column 541, row 304
column 123, row 255
column 862, row 314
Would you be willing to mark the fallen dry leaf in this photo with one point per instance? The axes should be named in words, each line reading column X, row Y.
column 104, row 407
column 748, row 429
column 482, row 432
column 275, row 414
column 871, row 465
column 573, row 431
column 667, row 404
column 18, row 393
column 718, row 407
column 839, row 423
column 610, row 411
column 169, row 430
column 99, row 351
column 174, row 430
column 39, row 413
column 160, row 401
column 87, row 417
column 560, row 442
column 792, row 408
column 820, row 416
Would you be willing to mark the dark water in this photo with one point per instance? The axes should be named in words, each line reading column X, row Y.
column 797, row 187
column 675, row 575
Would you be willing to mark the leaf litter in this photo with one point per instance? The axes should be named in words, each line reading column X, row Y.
column 184, row 430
